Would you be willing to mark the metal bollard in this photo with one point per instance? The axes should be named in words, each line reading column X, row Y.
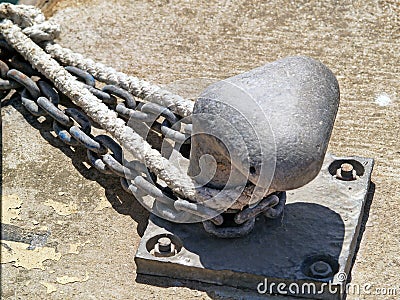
column 270, row 126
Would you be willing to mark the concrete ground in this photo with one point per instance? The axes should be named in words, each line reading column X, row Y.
column 90, row 227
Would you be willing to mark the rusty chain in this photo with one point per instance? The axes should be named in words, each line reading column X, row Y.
column 74, row 127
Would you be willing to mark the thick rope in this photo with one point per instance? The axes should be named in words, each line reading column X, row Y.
column 23, row 15
column 97, row 110
column 46, row 31
column 179, row 182
column 138, row 87
column 33, row 23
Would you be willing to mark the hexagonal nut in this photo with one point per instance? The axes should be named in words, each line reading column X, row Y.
column 321, row 269
column 346, row 172
column 158, row 253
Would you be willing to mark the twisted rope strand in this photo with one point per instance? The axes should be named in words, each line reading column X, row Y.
column 179, row 182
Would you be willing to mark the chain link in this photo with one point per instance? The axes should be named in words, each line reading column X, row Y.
column 73, row 127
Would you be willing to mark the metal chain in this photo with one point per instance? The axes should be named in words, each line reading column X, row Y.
column 73, row 127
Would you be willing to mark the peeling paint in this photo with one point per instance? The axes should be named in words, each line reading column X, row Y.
column 49, row 286
column 61, row 208
column 34, row 238
column 73, row 248
column 10, row 208
column 71, row 279
column 76, row 248
column 18, row 254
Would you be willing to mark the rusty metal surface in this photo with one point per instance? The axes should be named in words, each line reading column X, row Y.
column 321, row 222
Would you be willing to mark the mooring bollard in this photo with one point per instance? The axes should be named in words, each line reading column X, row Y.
column 254, row 136
column 270, row 126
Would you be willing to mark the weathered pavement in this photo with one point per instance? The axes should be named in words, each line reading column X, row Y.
column 95, row 226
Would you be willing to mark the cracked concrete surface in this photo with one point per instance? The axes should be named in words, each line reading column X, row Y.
column 166, row 41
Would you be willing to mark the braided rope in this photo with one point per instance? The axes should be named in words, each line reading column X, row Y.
column 33, row 23
column 97, row 110
column 46, row 31
column 23, row 15
column 179, row 182
column 138, row 87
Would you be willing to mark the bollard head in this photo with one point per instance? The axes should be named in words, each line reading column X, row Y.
column 269, row 126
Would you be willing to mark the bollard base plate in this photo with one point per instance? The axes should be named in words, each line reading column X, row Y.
column 321, row 222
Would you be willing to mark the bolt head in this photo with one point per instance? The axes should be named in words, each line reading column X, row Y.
column 346, row 172
column 164, row 244
column 320, row 269
column 346, row 167
column 164, row 247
